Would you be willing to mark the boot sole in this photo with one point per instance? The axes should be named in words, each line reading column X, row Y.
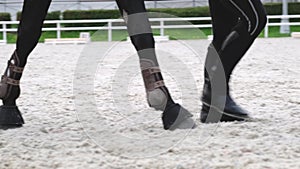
column 220, row 115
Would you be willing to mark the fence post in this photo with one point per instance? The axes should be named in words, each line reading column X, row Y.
column 267, row 28
column 4, row 33
column 162, row 31
column 58, row 30
column 109, row 31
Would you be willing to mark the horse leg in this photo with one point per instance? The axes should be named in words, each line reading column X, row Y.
column 29, row 32
column 139, row 29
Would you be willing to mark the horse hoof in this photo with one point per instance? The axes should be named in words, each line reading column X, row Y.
column 177, row 117
column 10, row 117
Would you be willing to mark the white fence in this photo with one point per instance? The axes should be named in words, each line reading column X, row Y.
column 161, row 26
column 270, row 17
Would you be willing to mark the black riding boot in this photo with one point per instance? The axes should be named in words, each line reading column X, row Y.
column 217, row 104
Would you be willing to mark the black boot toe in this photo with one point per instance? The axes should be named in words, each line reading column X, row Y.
column 212, row 113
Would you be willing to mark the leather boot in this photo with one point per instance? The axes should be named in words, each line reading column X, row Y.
column 217, row 104
column 223, row 109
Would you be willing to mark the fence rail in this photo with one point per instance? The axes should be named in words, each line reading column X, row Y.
column 161, row 26
column 272, row 17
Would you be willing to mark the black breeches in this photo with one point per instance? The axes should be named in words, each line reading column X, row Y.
column 236, row 24
column 30, row 28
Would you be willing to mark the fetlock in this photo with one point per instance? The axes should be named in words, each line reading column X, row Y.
column 159, row 98
column 10, row 80
column 174, row 116
column 10, row 100
column 10, row 115
column 158, row 95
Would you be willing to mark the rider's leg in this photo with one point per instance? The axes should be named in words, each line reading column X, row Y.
column 158, row 96
column 235, row 29
column 251, row 17
column 29, row 31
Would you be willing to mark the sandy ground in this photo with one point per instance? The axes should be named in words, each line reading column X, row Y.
column 74, row 120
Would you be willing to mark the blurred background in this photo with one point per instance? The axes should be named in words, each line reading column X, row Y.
column 12, row 6
column 283, row 19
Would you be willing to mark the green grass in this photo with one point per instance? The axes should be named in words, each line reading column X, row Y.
column 120, row 35
column 274, row 31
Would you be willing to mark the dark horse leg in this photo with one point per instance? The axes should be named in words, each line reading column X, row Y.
column 29, row 32
column 138, row 26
